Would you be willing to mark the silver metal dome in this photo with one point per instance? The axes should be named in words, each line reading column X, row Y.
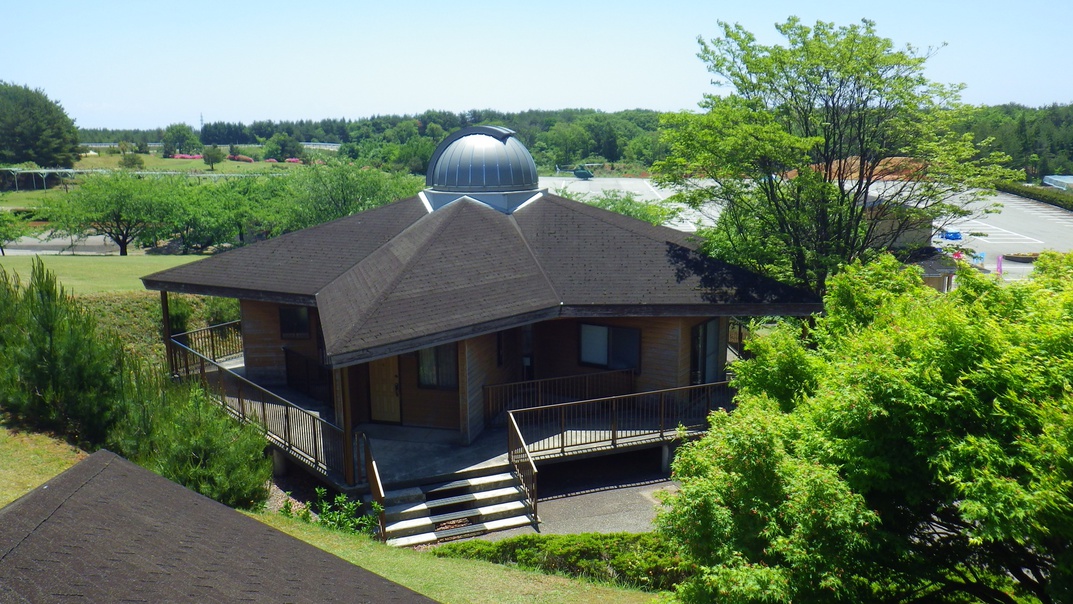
column 482, row 159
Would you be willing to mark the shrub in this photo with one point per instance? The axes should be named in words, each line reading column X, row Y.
column 131, row 161
column 179, row 312
column 643, row 560
column 221, row 310
column 345, row 514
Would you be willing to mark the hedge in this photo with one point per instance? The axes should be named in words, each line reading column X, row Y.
column 641, row 560
column 1055, row 197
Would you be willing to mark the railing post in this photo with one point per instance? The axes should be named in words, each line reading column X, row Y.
column 662, row 414
column 614, row 422
column 562, row 430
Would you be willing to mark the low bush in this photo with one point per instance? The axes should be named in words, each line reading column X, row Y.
column 642, row 560
column 1054, row 197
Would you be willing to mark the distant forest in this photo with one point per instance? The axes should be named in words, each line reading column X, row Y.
column 1039, row 140
column 406, row 142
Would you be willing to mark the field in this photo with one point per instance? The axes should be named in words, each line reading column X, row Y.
column 154, row 163
column 96, row 274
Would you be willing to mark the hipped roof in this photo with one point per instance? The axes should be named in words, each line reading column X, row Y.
column 399, row 278
column 107, row 530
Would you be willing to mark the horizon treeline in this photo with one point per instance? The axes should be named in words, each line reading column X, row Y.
column 1039, row 140
column 564, row 136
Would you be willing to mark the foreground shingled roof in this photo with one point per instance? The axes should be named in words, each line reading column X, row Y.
column 107, row 530
column 399, row 278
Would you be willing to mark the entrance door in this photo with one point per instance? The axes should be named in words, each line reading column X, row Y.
column 384, row 390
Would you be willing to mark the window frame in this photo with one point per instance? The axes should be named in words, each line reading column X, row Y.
column 444, row 359
column 301, row 317
column 616, row 335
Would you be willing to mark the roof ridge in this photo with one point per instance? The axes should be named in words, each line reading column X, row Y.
column 536, row 260
column 446, row 214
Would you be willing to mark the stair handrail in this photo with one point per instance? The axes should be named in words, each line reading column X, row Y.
column 522, row 463
column 376, row 486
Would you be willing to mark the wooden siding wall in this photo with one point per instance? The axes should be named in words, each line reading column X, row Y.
column 425, row 407
column 664, row 349
column 480, row 369
column 262, row 345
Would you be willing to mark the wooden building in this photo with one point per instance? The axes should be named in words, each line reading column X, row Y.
column 411, row 312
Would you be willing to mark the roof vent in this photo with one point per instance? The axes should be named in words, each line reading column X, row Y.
column 485, row 163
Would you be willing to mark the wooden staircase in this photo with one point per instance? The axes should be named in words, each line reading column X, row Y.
column 465, row 506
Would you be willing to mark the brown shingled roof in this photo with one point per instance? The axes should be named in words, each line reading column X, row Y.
column 398, row 278
column 107, row 530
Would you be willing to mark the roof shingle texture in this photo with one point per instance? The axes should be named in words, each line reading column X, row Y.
column 399, row 275
column 107, row 530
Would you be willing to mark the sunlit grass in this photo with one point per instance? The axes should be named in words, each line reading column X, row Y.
column 96, row 274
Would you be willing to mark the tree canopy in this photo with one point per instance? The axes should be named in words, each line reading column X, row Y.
column 35, row 129
column 912, row 447
column 826, row 149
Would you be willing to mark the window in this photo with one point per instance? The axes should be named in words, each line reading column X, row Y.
column 609, row 346
column 293, row 322
column 704, row 359
column 437, row 367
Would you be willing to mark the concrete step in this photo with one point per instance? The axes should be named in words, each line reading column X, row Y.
column 462, row 485
column 462, row 531
column 406, row 511
column 477, row 515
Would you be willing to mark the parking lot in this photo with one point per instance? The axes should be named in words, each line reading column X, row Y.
column 1020, row 225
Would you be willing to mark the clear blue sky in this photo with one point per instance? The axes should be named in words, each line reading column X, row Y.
column 143, row 64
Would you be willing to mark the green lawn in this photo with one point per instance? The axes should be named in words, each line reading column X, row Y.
column 28, row 459
column 96, row 274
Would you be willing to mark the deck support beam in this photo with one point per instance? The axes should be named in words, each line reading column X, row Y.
column 165, row 317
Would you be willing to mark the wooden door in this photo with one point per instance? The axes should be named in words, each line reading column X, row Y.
column 384, row 390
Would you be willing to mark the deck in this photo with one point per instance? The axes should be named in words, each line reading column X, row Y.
column 530, row 432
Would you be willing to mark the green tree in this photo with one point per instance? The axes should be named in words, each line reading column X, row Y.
column 35, row 129
column 913, row 447
column 120, row 206
column 323, row 192
column 180, row 138
column 57, row 372
column 212, row 156
column 283, row 146
column 827, row 149
column 11, row 228
column 130, row 161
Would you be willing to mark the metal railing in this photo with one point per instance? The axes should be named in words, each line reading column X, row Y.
column 535, row 393
column 307, row 375
column 376, row 486
column 522, row 464
column 307, row 438
column 216, row 342
column 583, row 426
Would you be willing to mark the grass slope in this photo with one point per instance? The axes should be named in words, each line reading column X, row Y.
column 452, row 580
column 96, row 274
